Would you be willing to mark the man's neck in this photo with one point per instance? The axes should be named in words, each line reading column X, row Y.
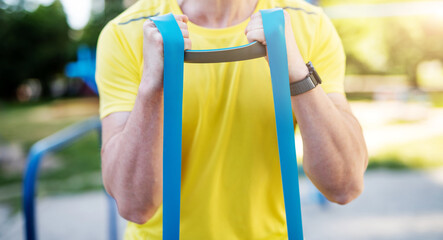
column 217, row 13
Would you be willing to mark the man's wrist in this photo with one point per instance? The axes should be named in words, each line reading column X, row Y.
column 308, row 83
column 150, row 85
column 298, row 74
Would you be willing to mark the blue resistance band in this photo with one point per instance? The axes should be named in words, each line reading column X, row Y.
column 173, row 43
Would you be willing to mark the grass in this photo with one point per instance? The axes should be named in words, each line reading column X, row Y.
column 419, row 154
column 75, row 168
column 80, row 157
column 29, row 122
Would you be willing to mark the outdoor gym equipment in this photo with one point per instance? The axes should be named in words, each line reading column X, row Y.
column 55, row 142
column 173, row 44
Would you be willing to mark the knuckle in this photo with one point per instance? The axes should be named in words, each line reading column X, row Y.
column 157, row 38
column 150, row 32
column 250, row 35
column 183, row 25
column 188, row 44
column 148, row 23
column 178, row 17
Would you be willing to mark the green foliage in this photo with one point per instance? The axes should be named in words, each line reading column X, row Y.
column 33, row 45
column 98, row 21
column 81, row 157
column 390, row 45
column 423, row 153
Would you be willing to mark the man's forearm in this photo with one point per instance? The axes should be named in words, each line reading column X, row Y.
column 132, row 158
column 335, row 155
column 132, row 142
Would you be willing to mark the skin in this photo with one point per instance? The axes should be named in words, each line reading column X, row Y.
column 132, row 141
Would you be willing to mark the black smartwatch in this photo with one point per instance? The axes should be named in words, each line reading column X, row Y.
column 308, row 83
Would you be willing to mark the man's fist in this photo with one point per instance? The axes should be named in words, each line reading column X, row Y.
column 297, row 67
column 153, row 50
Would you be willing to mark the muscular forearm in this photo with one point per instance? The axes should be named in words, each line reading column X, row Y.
column 335, row 155
column 132, row 142
column 131, row 159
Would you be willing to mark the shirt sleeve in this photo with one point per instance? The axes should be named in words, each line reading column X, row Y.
column 117, row 74
column 328, row 56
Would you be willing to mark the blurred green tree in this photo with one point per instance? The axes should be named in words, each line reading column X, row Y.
column 391, row 45
column 411, row 41
column 33, row 45
column 98, row 21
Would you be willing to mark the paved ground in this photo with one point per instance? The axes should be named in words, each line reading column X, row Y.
column 395, row 205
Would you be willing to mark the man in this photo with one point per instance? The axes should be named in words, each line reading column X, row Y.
column 231, row 182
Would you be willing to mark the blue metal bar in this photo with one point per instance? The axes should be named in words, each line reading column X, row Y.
column 112, row 206
column 112, row 222
column 38, row 150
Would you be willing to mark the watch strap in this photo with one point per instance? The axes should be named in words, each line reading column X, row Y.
column 306, row 84
column 303, row 86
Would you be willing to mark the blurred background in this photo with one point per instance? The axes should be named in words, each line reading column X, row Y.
column 394, row 82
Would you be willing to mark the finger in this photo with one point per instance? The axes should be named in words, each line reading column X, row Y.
column 181, row 18
column 156, row 38
column 151, row 32
column 188, row 43
column 253, row 26
column 148, row 23
column 256, row 35
column 256, row 15
column 185, row 33
column 287, row 15
column 182, row 25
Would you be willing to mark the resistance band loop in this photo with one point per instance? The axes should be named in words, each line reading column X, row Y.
column 274, row 28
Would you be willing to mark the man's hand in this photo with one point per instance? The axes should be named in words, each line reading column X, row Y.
column 297, row 66
column 153, row 51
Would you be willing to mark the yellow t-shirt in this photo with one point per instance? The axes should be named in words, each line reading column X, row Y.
column 231, row 182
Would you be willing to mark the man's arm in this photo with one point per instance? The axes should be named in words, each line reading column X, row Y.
column 335, row 155
column 131, row 157
column 132, row 141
